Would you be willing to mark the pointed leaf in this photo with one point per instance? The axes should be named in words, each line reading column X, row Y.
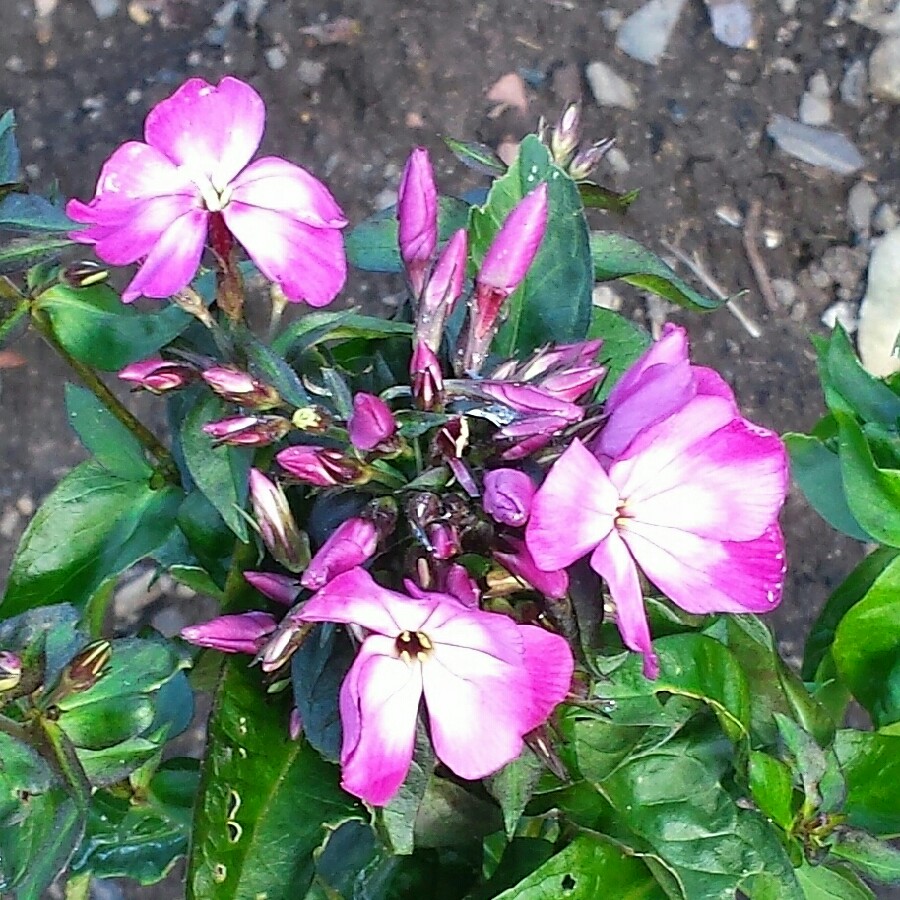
column 875, row 859
column 10, row 164
column 22, row 253
column 28, row 212
column 831, row 883
column 623, row 343
column 871, row 767
column 478, row 157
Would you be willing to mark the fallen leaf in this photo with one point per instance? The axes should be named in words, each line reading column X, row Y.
column 508, row 93
column 343, row 30
column 9, row 359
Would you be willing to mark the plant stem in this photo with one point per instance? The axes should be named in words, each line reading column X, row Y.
column 92, row 381
column 238, row 593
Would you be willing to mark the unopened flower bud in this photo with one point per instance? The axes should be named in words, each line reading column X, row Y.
column 552, row 358
column 248, row 431
column 321, row 466
column 427, row 378
column 280, row 588
column 443, row 540
column 371, row 423
column 531, row 400
column 158, row 375
column 282, row 645
column 565, row 137
column 10, row 671
column 311, row 418
column 444, row 287
column 84, row 273
column 417, row 207
column 507, row 496
column 351, row 544
column 279, row 531
column 295, row 725
column 572, row 384
column 503, row 269
column 241, row 388
column 517, row 560
column 242, row 633
column 88, row 666
column 587, row 160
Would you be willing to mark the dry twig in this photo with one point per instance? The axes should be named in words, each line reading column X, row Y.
column 760, row 273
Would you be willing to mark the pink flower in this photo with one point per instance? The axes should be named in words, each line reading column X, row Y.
column 417, row 210
column 444, row 287
column 280, row 588
column 371, row 422
column 248, row 431
column 486, row 681
column 243, row 633
column 507, row 496
column 693, row 501
column 158, row 375
column 320, row 466
column 154, row 200
column 351, row 544
column 240, row 387
column 517, row 560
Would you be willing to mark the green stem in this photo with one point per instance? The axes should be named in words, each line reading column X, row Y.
column 97, row 387
column 238, row 593
column 16, row 314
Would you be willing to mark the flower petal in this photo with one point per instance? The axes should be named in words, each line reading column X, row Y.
column 307, row 263
column 703, row 575
column 274, row 183
column 173, row 261
column 612, row 561
column 478, row 709
column 729, row 485
column 211, row 130
column 379, row 704
column 549, row 663
column 572, row 511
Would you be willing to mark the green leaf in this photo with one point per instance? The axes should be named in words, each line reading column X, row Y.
column 873, row 494
column 95, row 326
column 270, row 368
column 451, row 815
column 513, row 786
column 875, row 859
column 22, row 253
column 589, row 868
column 373, row 244
column 104, row 436
column 478, row 157
column 616, row 256
column 831, row 883
column 554, row 301
column 45, row 639
column 265, row 801
column 817, row 471
column 595, row 196
column 849, row 388
column 28, row 212
column 844, row 598
column 10, row 163
column 397, row 820
column 623, row 343
column 866, row 647
column 817, row 768
column 871, row 767
column 352, row 865
column 772, row 787
column 92, row 526
column 315, row 328
column 221, row 473
column 140, row 837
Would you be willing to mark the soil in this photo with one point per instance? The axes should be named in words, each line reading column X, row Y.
column 410, row 73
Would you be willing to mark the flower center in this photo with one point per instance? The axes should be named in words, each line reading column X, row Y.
column 215, row 198
column 413, row 645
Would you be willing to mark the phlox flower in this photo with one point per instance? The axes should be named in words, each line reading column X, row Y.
column 154, row 199
column 486, row 682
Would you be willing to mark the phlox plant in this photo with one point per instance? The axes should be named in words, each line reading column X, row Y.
column 489, row 571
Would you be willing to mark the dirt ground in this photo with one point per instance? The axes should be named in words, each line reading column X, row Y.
column 408, row 73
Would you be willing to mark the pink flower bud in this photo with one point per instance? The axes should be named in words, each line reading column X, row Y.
column 243, row 633
column 417, row 207
column 321, row 466
column 248, row 431
column 554, row 358
column 531, row 400
column 587, row 160
column 239, row 387
column 158, row 375
column 295, row 725
column 565, row 137
column 443, row 289
column 574, row 383
column 10, row 670
column 371, row 422
column 507, row 496
column 460, row 584
column 280, row 588
column 276, row 523
column 443, row 539
column 427, row 378
column 519, row 562
column 351, row 544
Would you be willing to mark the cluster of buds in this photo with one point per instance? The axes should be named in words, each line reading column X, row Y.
column 564, row 141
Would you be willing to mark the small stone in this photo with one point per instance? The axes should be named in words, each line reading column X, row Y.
column 884, row 69
column 841, row 313
column 732, row 23
column 385, row 199
column 784, row 66
column 414, row 120
column 844, row 265
column 645, row 34
column 276, row 58
column 15, row 64
column 816, row 146
column 134, row 96
column 25, row 505
column 885, row 218
column 819, row 85
column 605, row 296
column 194, row 59
column 9, row 522
column 33, row 171
column 608, row 88
column 730, row 215
column 612, row 19
column 224, row 15
column 814, row 110
column 853, row 84
column 785, row 292
column 105, row 9
column 882, row 16
column 879, row 313
column 788, row 7
column 617, row 161
column 772, row 238
column 861, row 203
column 311, row 72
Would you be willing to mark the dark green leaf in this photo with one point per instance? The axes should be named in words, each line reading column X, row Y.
column 772, row 787
column 866, row 647
column 623, row 343
column 871, row 767
column 208, row 538
column 270, row 368
column 616, row 256
column 595, row 196
column 817, row 471
column 221, row 473
column 28, row 212
column 10, row 164
column 98, row 329
column 104, row 436
column 45, row 638
column 554, row 301
column 831, row 883
column 265, row 801
column 513, row 786
column 92, row 526
column 844, row 598
column 373, row 244
column 875, row 859
column 451, row 815
column 816, row 768
column 315, row 328
column 478, row 157
column 352, row 865
column 587, row 869
column 397, row 820
column 21, row 253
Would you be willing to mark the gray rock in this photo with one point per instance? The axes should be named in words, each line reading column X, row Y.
column 311, row 72
column 617, row 161
column 645, row 34
column 276, row 58
column 608, row 88
column 884, row 69
column 732, row 22
column 885, row 218
column 879, row 15
column 861, row 203
column 879, row 313
column 788, row 7
column 853, row 84
column 814, row 110
column 816, row 146
column 105, row 9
